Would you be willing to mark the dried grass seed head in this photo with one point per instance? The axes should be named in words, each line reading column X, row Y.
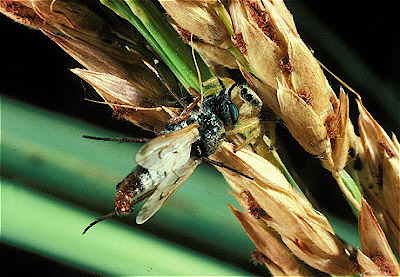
column 270, row 249
column 129, row 100
column 376, row 257
column 379, row 175
column 304, row 231
column 200, row 24
column 290, row 80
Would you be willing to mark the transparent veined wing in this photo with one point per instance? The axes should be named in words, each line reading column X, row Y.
column 165, row 189
column 170, row 151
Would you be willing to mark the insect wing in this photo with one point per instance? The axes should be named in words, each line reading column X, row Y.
column 165, row 189
column 170, row 151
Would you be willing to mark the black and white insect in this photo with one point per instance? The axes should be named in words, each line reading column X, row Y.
column 167, row 161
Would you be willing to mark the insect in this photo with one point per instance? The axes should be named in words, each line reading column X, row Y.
column 167, row 161
column 255, row 119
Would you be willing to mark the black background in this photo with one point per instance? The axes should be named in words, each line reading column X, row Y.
column 35, row 70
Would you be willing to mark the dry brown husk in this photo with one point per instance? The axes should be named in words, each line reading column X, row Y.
column 92, row 40
column 302, row 229
column 270, row 249
column 376, row 258
column 199, row 24
column 129, row 100
column 377, row 173
column 290, row 80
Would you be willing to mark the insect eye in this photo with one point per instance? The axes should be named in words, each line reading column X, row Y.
column 234, row 113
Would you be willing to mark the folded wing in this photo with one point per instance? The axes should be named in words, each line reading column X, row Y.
column 165, row 189
column 169, row 151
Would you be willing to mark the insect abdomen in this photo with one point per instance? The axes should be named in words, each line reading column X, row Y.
column 135, row 183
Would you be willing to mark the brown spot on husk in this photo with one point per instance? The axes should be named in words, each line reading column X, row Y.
column 240, row 44
column 23, row 13
column 383, row 264
column 306, row 96
column 331, row 125
column 384, row 146
column 187, row 36
column 334, row 103
column 285, row 65
column 255, row 209
column 380, row 177
column 262, row 20
column 121, row 112
column 259, row 258
column 302, row 246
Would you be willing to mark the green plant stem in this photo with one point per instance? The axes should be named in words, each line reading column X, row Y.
column 152, row 24
column 225, row 17
column 285, row 172
column 53, row 228
column 353, row 188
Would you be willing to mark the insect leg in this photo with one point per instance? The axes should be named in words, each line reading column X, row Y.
column 159, row 75
column 251, row 125
column 271, row 134
column 173, row 103
column 244, row 125
column 216, row 163
column 117, row 139
column 186, row 112
column 253, row 135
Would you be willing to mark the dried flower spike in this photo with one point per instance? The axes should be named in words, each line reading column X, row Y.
column 302, row 229
column 377, row 171
column 270, row 249
column 129, row 100
column 201, row 24
column 376, row 258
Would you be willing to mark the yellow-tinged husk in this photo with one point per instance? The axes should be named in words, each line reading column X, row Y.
column 378, row 174
column 129, row 100
column 304, row 231
column 200, row 24
column 273, row 252
column 376, row 257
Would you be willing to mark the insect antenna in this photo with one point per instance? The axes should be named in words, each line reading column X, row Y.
column 231, row 89
column 98, row 220
column 221, row 83
column 226, row 167
column 118, row 139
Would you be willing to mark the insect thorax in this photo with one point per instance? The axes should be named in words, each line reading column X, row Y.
column 211, row 131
